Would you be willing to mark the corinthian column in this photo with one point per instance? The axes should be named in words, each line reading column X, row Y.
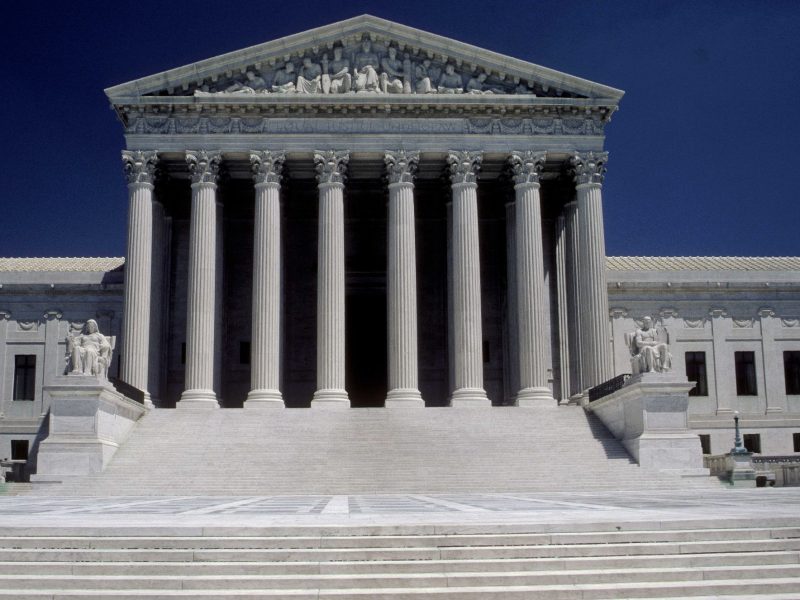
column 589, row 169
column 466, row 316
column 331, row 166
column 201, row 309
column 140, row 170
column 534, row 390
column 265, row 346
column 402, row 281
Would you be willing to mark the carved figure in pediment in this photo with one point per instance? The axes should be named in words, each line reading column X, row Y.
column 477, row 85
column 450, row 82
column 365, row 74
column 309, row 80
column 649, row 352
column 284, row 82
column 90, row 352
column 524, row 88
column 252, row 84
column 339, row 80
column 392, row 74
column 422, row 74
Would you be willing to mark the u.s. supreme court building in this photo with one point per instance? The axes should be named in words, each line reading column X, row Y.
column 369, row 215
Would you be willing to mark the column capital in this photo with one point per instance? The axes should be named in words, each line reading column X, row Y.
column 203, row 166
column 331, row 165
column 526, row 166
column 139, row 166
column 588, row 167
column 267, row 166
column 463, row 166
column 401, row 166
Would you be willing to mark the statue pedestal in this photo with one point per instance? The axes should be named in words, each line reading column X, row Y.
column 649, row 416
column 89, row 419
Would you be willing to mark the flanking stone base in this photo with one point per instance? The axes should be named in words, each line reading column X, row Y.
column 89, row 419
column 649, row 416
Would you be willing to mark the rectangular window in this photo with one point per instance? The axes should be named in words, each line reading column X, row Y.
column 19, row 449
column 24, row 376
column 487, row 357
column 696, row 371
column 791, row 371
column 244, row 353
column 746, row 374
column 705, row 443
column 752, row 442
column 183, row 353
column 796, row 441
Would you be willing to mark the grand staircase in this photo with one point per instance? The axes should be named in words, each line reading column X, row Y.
column 761, row 559
column 318, row 451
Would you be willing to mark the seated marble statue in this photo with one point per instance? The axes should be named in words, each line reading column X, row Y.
column 90, row 352
column 451, row 82
column 649, row 353
column 422, row 75
column 339, row 80
column 392, row 74
column 284, row 82
column 309, row 80
column 365, row 77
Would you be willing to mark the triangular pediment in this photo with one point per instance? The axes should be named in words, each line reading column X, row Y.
column 338, row 59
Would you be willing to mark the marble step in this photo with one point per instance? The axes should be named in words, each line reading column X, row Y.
column 406, row 580
column 396, row 553
column 400, row 541
column 557, row 564
column 741, row 588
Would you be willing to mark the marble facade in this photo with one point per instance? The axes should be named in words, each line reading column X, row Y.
column 366, row 214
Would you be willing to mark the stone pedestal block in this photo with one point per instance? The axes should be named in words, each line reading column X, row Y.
column 649, row 416
column 739, row 469
column 89, row 420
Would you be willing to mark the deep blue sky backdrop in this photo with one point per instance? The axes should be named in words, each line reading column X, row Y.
column 704, row 157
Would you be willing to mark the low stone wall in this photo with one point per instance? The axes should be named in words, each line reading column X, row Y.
column 649, row 416
column 89, row 420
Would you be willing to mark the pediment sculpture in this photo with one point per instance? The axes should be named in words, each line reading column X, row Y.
column 649, row 347
column 90, row 352
column 365, row 67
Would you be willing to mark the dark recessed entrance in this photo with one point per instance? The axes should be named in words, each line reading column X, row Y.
column 366, row 376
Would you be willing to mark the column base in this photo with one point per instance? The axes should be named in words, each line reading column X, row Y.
column 148, row 401
column 203, row 399
column 536, row 397
column 264, row 399
column 330, row 398
column 470, row 398
column 404, row 398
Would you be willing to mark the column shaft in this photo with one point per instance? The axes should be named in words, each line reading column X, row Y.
column 201, row 314
column 573, row 296
column 140, row 168
column 530, row 298
column 265, row 345
column 330, row 296
column 402, row 298
column 563, row 310
column 331, row 391
column 466, row 272
column 596, row 355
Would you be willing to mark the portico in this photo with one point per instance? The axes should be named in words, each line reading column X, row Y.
column 470, row 206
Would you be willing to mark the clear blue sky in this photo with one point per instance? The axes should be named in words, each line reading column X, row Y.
column 703, row 161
